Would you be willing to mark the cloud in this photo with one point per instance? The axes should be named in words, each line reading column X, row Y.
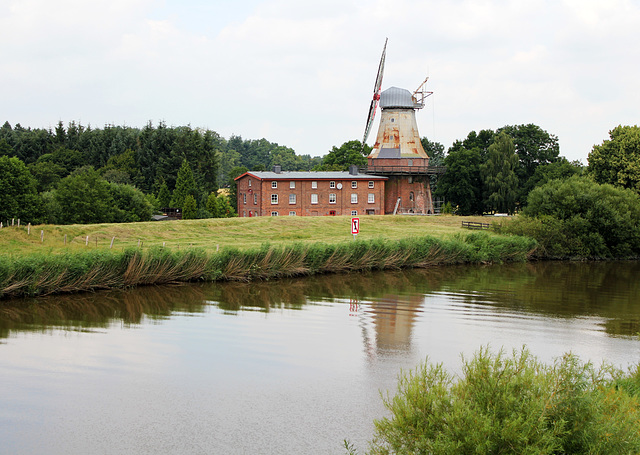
column 301, row 73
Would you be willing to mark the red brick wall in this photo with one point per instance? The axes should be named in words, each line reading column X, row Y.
column 399, row 187
column 303, row 191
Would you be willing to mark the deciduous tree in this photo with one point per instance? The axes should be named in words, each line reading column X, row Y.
column 617, row 160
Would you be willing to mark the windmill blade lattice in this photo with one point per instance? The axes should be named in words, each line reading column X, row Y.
column 376, row 95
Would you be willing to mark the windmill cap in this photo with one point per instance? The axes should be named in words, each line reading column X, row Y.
column 400, row 98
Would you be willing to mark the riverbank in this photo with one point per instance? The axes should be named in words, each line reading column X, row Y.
column 42, row 274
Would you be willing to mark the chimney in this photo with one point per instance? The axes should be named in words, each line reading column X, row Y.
column 277, row 169
column 353, row 169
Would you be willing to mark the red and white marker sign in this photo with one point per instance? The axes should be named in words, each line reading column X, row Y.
column 355, row 226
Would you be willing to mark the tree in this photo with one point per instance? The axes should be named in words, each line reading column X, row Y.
column 617, row 160
column 534, row 147
column 560, row 169
column 211, row 205
column 223, row 207
column 189, row 208
column 85, row 197
column 164, row 195
column 340, row 158
column 461, row 184
column 500, row 181
column 435, row 151
column 18, row 191
column 185, row 186
column 131, row 205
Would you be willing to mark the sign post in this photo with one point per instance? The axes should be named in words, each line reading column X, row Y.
column 355, row 227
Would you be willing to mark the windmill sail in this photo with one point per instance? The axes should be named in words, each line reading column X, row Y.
column 376, row 95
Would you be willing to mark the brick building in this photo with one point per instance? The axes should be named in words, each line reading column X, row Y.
column 310, row 193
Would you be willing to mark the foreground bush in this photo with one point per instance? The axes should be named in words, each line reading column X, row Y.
column 512, row 404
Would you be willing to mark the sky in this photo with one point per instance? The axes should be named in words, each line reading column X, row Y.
column 301, row 73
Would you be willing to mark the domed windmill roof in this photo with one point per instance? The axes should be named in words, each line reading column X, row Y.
column 398, row 98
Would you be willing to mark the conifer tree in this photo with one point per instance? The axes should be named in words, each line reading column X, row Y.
column 185, row 186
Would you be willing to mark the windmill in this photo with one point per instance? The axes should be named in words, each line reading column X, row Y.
column 398, row 152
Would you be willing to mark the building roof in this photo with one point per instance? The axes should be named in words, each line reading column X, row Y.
column 400, row 98
column 311, row 175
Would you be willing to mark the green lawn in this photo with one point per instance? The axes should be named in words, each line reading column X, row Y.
column 210, row 234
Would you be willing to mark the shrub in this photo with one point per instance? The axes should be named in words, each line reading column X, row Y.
column 510, row 404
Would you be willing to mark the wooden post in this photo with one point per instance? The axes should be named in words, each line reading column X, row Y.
column 18, row 222
column 65, row 239
column 138, row 243
column 0, row 224
column 218, row 247
column 41, row 236
column 163, row 244
column 29, row 229
column 112, row 239
column 13, row 221
column 86, row 242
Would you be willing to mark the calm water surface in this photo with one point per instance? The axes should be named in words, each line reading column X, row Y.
column 293, row 366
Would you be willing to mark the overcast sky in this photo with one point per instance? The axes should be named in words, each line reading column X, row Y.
column 301, row 73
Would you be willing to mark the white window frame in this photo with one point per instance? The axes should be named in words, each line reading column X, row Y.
column 275, row 214
column 314, row 198
column 274, row 184
column 292, row 199
column 249, row 182
column 292, row 213
column 292, row 184
column 354, row 184
column 274, row 199
column 314, row 185
column 244, row 198
column 332, row 184
column 371, row 184
column 255, row 198
column 354, row 198
column 371, row 198
column 332, row 198
column 354, row 213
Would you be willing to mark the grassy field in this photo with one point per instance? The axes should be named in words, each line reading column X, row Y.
column 213, row 234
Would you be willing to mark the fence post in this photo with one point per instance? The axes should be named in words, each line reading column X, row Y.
column 41, row 236
column 86, row 242
column 29, row 229
column 13, row 221
column 112, row 239
column 65, row 239
column 18, row 222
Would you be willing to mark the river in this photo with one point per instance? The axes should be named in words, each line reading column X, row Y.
column 292, row 366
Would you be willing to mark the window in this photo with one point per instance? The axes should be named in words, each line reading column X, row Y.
column 411, row 196
column 255, row 198
column 244, row 213
column 354, row 198
column 244, row 198
column 249, row 182
column 292, row 185
column 371, row 198
column 332, row 212
column 292, row 213
column 410, row 179
column 410, row 162
column 332, row 198
column 370, row 183
column 274, row 213
column 274, row 198
column 314, row 185
column 314, row 198
column 354, row 184
column 332, row 184
column 274, row 184
column 354, row 213
column 292, row 199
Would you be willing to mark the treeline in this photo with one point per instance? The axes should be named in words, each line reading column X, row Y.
column 494, row 171
column 130, row 170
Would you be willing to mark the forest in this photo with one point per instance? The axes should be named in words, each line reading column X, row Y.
column 79, row 174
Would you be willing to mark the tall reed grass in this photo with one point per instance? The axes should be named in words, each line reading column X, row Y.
column 74, row 272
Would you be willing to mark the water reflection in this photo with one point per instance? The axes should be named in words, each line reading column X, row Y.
column 392, row 300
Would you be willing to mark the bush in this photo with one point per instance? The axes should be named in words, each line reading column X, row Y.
column 511, row 404
column 580, row 218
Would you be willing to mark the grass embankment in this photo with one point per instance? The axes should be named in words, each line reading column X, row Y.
column 397, row 246
column 213, row 234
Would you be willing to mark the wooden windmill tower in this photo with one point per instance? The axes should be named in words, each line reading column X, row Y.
column 398, row 153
